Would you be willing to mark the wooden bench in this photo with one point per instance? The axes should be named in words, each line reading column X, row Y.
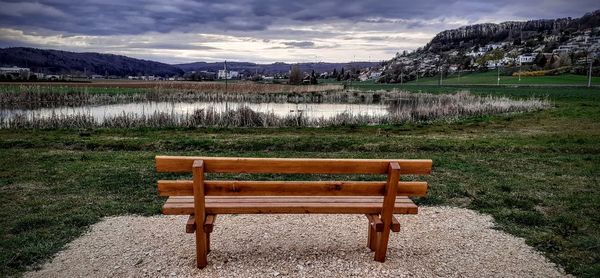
column 204, row 199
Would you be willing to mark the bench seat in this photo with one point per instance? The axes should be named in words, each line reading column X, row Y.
column 184, row 205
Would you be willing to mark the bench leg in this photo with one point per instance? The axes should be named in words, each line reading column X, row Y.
column 370, row 234
column 373, row 236
column 201, row 247
column 382, row 244
column 207, row 243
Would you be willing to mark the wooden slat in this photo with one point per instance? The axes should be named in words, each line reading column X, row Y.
column 179, row 206
column 292, row 165
column 283, row 199
column 290, row 188
column 190, row 225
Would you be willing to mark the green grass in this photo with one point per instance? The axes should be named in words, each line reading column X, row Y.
column 491, row 78
column 537, row 174
column 488, row 78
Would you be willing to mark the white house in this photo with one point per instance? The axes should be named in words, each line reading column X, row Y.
column 363, row 77
column 375, row 74
column 526, row 58
column 13, row 69
column 38, row 75
column 223, row 74
column 53, row 77
column 16, row 72
column 568, row 48
column 493, row 46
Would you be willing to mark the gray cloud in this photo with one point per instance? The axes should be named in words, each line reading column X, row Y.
column 208, row 27
column 300, row 44
column 111, row 17
column 173, row 46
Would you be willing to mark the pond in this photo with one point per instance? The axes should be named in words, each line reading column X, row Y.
column 102, row 112
column 390, row 108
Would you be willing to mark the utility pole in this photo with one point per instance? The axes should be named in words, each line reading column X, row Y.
column 590, row 74
column 401, row 76
column 520, row 66
column 226, row 75
column 441, row 75
column 498, row 68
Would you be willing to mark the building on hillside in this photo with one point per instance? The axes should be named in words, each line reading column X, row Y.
column 564, row 49
column 492, row 64
column 526, row 58
column 375, row 75
column 493, row 46
column 477, row 52
column 363, row 76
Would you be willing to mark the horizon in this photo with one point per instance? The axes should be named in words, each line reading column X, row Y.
column 261, row 32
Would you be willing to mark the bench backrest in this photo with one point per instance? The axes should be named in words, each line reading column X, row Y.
column 182, row 164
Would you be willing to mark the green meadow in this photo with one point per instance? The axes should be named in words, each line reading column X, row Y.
column 536, row 173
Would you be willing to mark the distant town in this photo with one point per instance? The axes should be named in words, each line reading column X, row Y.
column 532, row 48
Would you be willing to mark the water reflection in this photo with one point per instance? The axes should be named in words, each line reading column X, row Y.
column 100, row 112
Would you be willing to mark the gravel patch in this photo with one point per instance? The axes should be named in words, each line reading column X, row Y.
column 438, row 242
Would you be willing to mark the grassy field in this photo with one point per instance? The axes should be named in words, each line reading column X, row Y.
column 491, row 78
column 537, row 173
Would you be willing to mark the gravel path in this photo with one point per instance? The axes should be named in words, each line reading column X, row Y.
column 439, row 242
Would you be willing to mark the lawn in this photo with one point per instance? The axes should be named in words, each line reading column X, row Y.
column 537, row 173
column 491, row 78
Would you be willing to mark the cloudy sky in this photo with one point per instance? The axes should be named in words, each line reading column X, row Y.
column 179, row 31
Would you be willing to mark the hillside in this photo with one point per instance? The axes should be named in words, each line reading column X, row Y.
column 482, row 34
column 65, row 62
column 274, row 67
column 552, row 46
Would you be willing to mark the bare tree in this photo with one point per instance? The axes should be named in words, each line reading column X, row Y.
column 295, row 75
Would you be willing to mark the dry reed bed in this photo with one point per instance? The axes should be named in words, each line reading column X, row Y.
column 32, row 96
column 236, row 86
column 406, row 108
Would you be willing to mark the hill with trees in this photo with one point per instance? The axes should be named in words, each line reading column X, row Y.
column 64, row 62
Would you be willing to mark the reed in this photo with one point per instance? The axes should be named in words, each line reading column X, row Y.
column 404, row 108
column 37, row 96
